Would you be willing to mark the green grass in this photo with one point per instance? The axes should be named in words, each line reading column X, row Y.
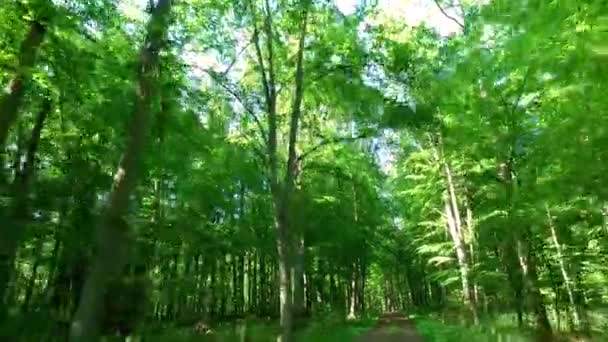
column 339, row 331
column 501, row 328
column 434, row 330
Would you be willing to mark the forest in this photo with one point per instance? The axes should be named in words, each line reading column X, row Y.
column 287, row 170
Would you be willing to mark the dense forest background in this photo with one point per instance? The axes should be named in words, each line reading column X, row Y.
column 175, row 167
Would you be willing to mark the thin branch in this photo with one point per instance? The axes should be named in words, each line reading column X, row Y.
column 332, row 141
column 521, row 90
column 269, row 47
column 448, row 15
column 292, row 159
column 236, row 58
column 248, row 108
column 271, row 100
column 258, row 51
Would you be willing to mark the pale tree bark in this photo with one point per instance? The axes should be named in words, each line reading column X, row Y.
column 456, row 231
column 298, row 275
column 578, row 315
column 353, row 283
column 352, row 291
column 471, row 240
column 463, row 262
column 300, row 248
column 113, row 236
column 12, row 97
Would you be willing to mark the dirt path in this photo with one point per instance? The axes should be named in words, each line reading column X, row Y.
column 392, row 327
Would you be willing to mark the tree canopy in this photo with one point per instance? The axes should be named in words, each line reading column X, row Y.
column 169, row 168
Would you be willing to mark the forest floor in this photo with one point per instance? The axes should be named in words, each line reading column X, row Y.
column 392, row 327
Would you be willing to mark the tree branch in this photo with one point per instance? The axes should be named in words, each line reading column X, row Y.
column 220, row 79
column 448, row 15
column 292, row 159
column 332, row 141
column 236, row 58
column 269, row 47
column 521, row 90
column 258, row 51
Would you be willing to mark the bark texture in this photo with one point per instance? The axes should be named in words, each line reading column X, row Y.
column 113, row 240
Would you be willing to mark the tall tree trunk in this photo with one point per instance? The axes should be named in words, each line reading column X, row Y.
column 29, row 291
column 463, row 264
column 362, row 282
column 456, row 232
column 253, row 283
column 235, row 285
column 354, row 296
column 10, row 101
column 511, row 267
column 283, row 196
column 13, row 229
column 223, row 291
column 352, row 300
column 213, row 290
column 472, row 243
column 578, row 316
column 263, row 274
column 281, row 191
column 113, row 233
column 298, row 292
column 525, row 256
column 528, row 267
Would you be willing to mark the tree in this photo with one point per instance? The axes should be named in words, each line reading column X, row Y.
column 113, row 233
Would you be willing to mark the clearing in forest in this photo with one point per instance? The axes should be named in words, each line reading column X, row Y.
column 392, row 327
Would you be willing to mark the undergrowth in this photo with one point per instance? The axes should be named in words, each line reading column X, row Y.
column 434, row 330
column 321, row 330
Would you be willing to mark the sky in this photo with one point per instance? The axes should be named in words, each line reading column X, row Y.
column 413, row 12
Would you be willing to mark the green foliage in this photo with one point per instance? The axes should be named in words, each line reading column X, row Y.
column 499, row 130
column 437, row 331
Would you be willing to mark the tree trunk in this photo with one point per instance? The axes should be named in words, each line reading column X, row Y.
column 472, row 243
column 32, row 280
column 283, row 196
column 363, row 280
column 530, row 276
column 113, row 233
column 235, row 285
column 285, row 298
column 298, row 295
column 253, row 284
column 463, row 263
column 263, row 274
column 223, row 293
column 10, row 101
column 352, row 300
column 578, row 316
column 211, row 308
column 509, row 261
column 456, row 232
column 12, row 232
